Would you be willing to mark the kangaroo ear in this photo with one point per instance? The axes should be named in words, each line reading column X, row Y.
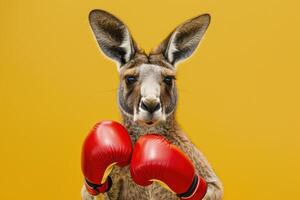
column 183, row 41
column 112, row 36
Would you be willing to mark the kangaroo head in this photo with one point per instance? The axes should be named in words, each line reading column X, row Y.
column 147, row 91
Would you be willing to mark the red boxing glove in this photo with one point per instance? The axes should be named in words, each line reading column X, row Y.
column 156, row 159
column 107, row 144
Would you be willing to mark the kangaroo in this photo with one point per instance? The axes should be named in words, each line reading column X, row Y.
column 147, row 98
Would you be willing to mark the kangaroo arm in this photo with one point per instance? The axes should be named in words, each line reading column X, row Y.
column 202, row 167
column 215, row 188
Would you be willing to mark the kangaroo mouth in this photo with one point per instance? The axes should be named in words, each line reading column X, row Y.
column 145, row 118
column 148, row 123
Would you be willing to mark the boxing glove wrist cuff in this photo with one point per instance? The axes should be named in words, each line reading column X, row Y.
column 197, row 189
column 95, row 189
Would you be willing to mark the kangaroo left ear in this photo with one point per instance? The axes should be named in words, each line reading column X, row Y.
column 113, row 36
column 183, row 41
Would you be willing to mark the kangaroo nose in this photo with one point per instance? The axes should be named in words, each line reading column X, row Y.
column 150, row 106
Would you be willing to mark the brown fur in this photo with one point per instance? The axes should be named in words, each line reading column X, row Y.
column 123, row 187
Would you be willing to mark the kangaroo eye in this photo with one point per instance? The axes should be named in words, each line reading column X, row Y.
column 168, row 80
column 130, row 80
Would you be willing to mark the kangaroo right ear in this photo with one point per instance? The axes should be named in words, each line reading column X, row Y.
column 113, row 36
column 183, row 41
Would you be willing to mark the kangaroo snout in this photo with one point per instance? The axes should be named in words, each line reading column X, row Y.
column 150, row 105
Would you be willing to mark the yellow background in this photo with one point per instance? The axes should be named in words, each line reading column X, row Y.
column 239, row 93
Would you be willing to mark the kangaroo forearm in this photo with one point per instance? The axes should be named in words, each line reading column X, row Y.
column 86, row 196
column 214, row 192
column 215, row 188
column 203, row 168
